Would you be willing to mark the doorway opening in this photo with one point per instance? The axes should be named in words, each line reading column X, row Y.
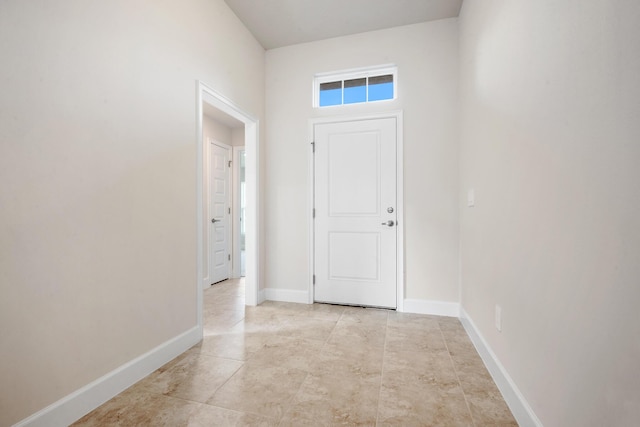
column 211, row 104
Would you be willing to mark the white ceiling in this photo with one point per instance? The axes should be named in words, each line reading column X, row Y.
column 277, row 23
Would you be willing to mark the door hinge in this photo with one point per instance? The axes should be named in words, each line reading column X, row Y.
column 229, row 257
column 229, row 163
column 229, row 211
column 314, row 279
column 313, row 213
column 313, row 146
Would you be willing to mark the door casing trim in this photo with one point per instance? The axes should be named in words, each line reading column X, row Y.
column 400, row 268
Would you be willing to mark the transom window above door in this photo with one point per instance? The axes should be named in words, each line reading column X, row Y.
column 355, row 86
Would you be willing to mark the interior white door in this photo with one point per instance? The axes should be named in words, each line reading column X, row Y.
column 219, row 236
column 355, row 212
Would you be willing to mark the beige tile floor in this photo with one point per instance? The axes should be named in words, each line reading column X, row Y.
column 282, row 364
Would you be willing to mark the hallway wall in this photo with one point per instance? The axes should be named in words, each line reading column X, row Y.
column 549, row 142
column 98, row 172
column 426, row 56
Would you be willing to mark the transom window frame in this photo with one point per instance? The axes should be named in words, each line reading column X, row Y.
column 352, row 74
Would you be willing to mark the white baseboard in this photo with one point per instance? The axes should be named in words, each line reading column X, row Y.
column 519, row 406
column 79, row 403
column 286, row 295
column 436, row 308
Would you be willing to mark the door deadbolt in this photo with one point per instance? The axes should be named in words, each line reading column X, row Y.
column 390, row 209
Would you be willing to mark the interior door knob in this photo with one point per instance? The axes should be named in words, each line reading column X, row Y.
column 389, row 223
column 215, row 220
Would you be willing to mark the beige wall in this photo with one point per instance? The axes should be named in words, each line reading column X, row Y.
column 549, row 95
column 98, row 172
column 426, row 56
column 212, row 128
column 237, row 137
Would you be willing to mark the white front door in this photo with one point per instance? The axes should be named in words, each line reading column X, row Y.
column 219, row 235
column 355, row 212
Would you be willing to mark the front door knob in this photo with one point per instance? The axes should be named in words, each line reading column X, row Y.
column 215, row 220
column 389, row 223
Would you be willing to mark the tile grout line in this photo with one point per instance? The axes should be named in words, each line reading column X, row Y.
column 289, row 405
column 455, row 371
column 281, row 420
column 234, row 372
column 230, row 376
column 384, row 350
